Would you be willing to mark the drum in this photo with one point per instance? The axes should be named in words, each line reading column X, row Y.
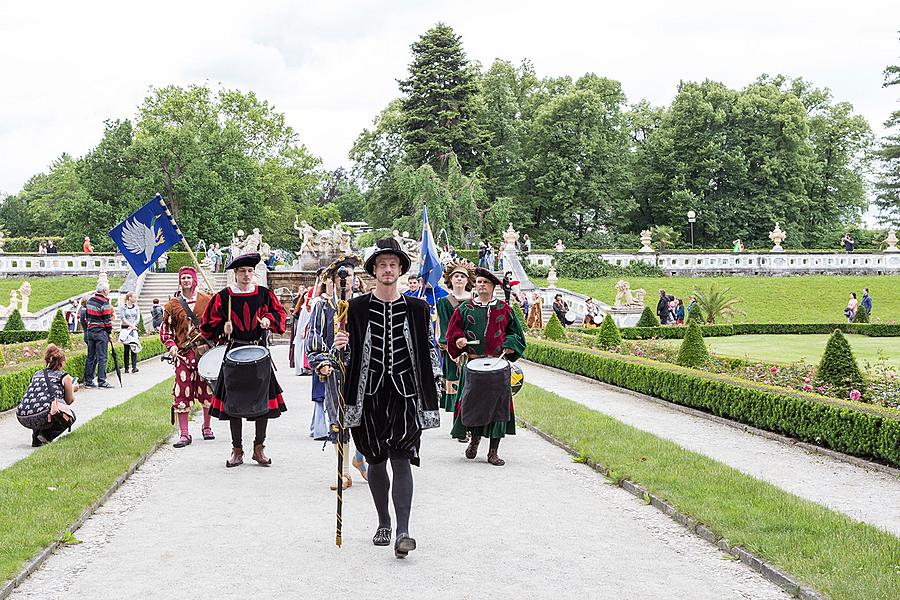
column 246, row 373
column 571, row 317
column 210, row 364
column 486, row 394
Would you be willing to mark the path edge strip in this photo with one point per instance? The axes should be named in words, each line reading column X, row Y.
column 768, row 571
column 41, row 557
column 771, row 435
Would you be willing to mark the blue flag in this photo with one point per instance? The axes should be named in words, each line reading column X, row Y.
column 431, row 270
column 146, row 234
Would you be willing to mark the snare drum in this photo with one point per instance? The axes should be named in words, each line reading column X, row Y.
column 486, row 394
column 571, row 317
column 247, row 373
column 210, row 364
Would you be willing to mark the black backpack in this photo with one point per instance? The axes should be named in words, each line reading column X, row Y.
column 34, row 408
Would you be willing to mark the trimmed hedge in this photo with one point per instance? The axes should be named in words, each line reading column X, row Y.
column 861, row 315
column 59, row 331
column 849, row 427
column 675, row 332
column 13, row 385
column 554, row 329
column 14, row 322
column 692, row 352
column 838, row 365
column 15, row 337
column 648, row 318
column 609, row 335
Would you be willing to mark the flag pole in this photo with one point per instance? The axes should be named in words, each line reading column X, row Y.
column 186, row 245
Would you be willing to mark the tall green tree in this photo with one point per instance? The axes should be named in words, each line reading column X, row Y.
column 888, row 154
column 441, row 103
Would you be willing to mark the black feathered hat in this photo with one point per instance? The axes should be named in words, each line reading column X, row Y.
column 388, row 246
column 349, row 260
column 244, row 260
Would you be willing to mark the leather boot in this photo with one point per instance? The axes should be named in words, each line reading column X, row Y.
column 472, row 450
column 259, row 456
column 237, row 458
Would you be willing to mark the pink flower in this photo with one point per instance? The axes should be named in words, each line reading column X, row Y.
column 855, row 395
column 807, row 387
column 773, row 369
column 767, row 382
column 821, row 388
column 806, row 379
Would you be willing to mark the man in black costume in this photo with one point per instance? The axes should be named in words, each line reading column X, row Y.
column 391, row 387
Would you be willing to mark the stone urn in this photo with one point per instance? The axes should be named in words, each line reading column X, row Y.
column 511, row 236
column 777, row 236
column 552, row 278
column 646, row 240
column 891, row 241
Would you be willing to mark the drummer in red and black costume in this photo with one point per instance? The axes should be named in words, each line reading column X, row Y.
column 185, row 345
column 254, row 309
column 485, row 326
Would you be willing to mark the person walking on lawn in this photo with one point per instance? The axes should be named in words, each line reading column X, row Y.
column 98, row 316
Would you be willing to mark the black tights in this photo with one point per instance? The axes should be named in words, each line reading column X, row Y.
column 237, row 425
column 129, row 356
column 380, row 485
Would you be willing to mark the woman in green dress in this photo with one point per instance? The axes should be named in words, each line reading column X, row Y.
column 459, row 277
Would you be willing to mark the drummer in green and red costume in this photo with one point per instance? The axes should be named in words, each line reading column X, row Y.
column 459, row 277
column 493, row 330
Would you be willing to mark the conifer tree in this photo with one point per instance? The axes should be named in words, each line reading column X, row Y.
column 14, row 322
column 609, row 335
column 59, row 331
column 692, row 352
column 554, row 330
column 838, row 367
column 648, row 318
column 441, row 103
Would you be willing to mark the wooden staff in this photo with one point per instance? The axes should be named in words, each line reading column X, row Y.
column 340, row 324
column 186, row 245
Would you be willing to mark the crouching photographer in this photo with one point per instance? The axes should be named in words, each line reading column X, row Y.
column 45, row 407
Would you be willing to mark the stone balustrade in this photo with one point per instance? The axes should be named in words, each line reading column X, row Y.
column 753, row 263
column 27, row 265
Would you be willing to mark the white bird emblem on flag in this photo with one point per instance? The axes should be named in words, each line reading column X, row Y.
column 141, row 239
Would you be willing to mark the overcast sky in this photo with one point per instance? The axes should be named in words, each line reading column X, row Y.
column 331, row 66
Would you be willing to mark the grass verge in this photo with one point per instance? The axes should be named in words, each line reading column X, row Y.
column 44, row 493
column 828, row 551
column 50, row 290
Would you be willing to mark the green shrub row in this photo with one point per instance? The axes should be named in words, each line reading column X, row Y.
column 13, row 385
column 22, row 335
column 674, row 332
column 852, row 428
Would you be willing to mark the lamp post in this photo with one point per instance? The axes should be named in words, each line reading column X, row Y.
column 692, row 217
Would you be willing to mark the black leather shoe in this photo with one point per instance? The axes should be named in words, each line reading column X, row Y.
column 382, row 537
column 404, row 545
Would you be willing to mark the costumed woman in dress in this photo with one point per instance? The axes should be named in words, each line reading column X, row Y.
column 535, row 318
column 481, row 327
column 459, row 276
column 319, row 340
column 243, row 313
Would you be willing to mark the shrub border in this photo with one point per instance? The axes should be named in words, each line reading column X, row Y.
column 865, row 431
column 677, row 332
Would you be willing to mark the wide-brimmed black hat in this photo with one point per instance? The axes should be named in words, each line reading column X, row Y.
column 349, row 260
column 244, row 260
column 388, row 246
column 482, row 272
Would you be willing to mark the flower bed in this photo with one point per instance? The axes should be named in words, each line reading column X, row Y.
column 851, row 427
column 677, row 331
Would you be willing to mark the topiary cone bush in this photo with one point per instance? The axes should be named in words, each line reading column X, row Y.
column 59, row 331
column 142, row 331
column 609, row 335
column 692, row 352
column 861, row 316
column 554, row 330
column 838, row 366
column 695, row 316
column 520, row 314
column 648, row 318
column 14, row 322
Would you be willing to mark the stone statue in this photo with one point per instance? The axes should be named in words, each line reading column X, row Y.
column 891, row 241
column 340, row 239
column 625, row 298
column 308, row 233
column 409, row 245
column 551, row 277
column 13, row 301
column 510, row 236
column 25, row 293
column 252, row 242
column 646, row 240
column 237, row 245
column 777, row 236
column 639, row 296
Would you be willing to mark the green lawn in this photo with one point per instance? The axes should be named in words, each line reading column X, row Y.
column 793, row 348
column 50, row 290
column 801, row 299
column 829, row 551
column 44, row 493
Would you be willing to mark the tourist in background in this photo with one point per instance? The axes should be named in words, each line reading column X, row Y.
column 129, row 316
column 412, row 286
column 156, row 314
column 51, row 247
column 526, row 243
column 847, row 242
column 482, row 251
column 852, row 306
column 162, row 261
column 867, row 301
column 42, row 248
column 62, row 395
column 501, row 259
column 679, row 312
column 662, row 307
column 559, row 247
column 72, row 316
column 87, row 248
column 692, row 304
column 98, row 319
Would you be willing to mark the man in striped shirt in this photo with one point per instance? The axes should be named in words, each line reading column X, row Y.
column 99, row 317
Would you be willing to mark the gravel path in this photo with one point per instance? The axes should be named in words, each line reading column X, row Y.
column 15, row 440
column 540, row 527
column 866, row 495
